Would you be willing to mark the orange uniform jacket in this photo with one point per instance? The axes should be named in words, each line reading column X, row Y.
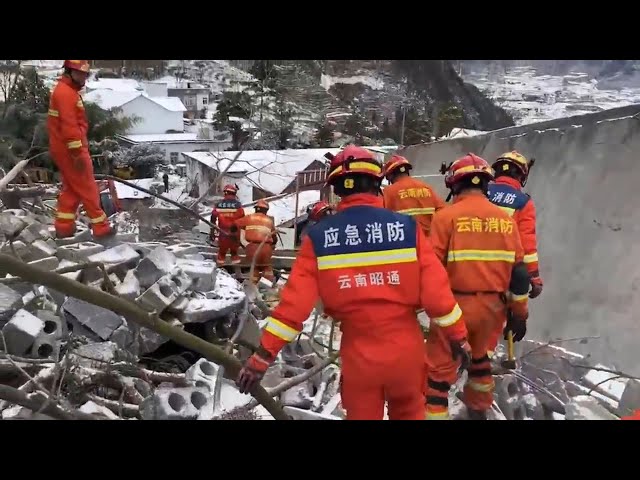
column 258, row 227
column 371, row 268
column 67, row 124
column 506, row 193
column 410, row 196
column 479, row 244
column 226, row 212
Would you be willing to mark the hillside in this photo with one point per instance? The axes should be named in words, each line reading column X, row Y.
column 330, row 102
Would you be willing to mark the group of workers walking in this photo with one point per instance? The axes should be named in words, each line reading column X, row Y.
column 472, row 265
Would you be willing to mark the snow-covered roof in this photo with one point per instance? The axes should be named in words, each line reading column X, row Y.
column 173, row 104
column 464, row 132
column 168, row 138
column 125, row 191
column 271, row 170
column 171, row 82
column 108, row 99
column 115, row 84
column 282, row 209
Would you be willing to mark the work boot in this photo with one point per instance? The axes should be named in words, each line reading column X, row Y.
column 477, row 414
column 235, row 259
column 103, row 230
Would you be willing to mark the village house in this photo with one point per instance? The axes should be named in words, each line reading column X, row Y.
column 173, row 144
column 258, row 173
column 194, row 96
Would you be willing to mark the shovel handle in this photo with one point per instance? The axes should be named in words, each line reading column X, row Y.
column 510, row 345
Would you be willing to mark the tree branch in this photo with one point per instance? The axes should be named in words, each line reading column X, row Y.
column 35, row 403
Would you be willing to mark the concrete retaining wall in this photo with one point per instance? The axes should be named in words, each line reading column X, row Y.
column 586, row 186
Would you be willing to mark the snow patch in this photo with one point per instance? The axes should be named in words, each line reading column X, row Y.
column 327, row 81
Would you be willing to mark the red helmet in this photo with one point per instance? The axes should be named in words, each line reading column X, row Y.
column 396, row 162
column 80, row 65
column 262, row 204
column 352, row 160
column 230, row 189
column 467, row 166
column 318, row 210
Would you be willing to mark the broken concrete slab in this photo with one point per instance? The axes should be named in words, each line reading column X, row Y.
column 97, row 320
column 202, row 272
column 630, row 399
column 201, row 310
column 118, row 255
column 94, row 355
column 553, row 358
column 187, row 403
column 533, row 407
column 606, row 383
column 508, row 396
column 82, row 235
column 38, row 250
column 158, row 263
column 130, row 286
column 21, row 332
column 298, row 396
column 182, row 249
column 20, row 249
column 11, row 225
column 68, row 263
column 145, row 248
column 137, row 340
column 165, row 291
column 300, row 414
column 95, row 409
column 33, row 232
column 48, row 263
column 179, row 304
column 18, row 412
column 78, row 252
column 549, row 380
column 230, row 397
column 197, row 257
column 10, row 302
column 587, row 408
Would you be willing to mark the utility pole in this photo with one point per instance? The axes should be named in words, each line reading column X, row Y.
column 402, row 128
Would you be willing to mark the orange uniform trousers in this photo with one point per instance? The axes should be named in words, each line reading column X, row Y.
column 484, row 313
column 263, row 260
column 228, row 245
column 78, row 187
column 374, row 373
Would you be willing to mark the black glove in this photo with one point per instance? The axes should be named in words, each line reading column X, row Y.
column 461, row 350
column 252, row 373
column 517, row 325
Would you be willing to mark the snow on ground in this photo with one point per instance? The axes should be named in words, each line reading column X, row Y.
column 177, row 193
column 327, row 81
column 531, row 98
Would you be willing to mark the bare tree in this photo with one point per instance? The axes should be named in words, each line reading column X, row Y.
column 10, row 73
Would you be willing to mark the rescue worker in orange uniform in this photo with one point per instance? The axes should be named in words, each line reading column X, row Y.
column 69, row 148
column 317, row 212
column 511, row 171
column 408, row 195
column 371, row 268
column 480, row 246
column 224, row 215
column 259, row 227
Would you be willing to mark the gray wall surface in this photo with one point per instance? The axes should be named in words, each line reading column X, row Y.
column 586, row 187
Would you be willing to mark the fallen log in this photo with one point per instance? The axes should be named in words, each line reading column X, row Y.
column 35, row 404
column 134, row 313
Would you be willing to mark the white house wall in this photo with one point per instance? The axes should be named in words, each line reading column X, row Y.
column 202, row 175
column 154, row 119
column 191, row 147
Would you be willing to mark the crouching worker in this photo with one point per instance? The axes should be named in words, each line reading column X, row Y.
column 371, row 268
column 259, row 229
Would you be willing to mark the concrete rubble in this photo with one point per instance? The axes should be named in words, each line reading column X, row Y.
column 119, row 370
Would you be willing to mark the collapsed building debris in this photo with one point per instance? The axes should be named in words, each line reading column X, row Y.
column 84, row 324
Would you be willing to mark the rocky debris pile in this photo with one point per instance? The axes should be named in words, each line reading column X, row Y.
column 552, row 383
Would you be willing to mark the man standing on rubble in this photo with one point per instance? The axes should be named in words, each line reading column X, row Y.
column 512, row 171
column 371, row 268
column 408, row 195
column 480, row 247
column 224, row 214
column 69, row 148
column 261, row 237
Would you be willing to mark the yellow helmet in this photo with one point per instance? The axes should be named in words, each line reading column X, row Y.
column 513, row 158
